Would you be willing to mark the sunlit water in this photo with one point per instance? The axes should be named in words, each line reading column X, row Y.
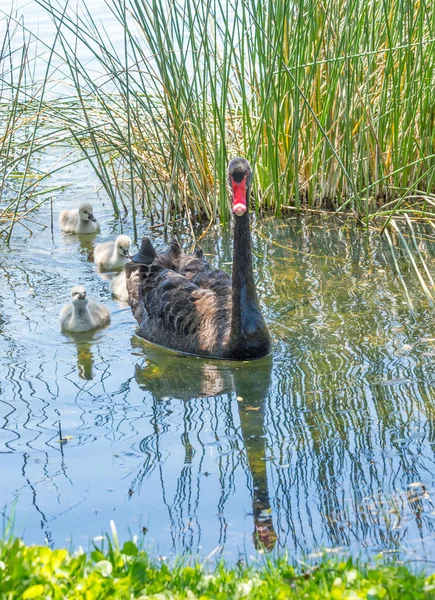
column 328, row 444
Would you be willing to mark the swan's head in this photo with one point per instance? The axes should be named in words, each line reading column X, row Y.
column 239, row 175
column 78, row 295
column 123, row 243
column 86, row 212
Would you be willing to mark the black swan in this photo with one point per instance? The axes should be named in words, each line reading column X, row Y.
column 183, row 303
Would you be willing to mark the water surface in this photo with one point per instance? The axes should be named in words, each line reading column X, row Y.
column 330, row 443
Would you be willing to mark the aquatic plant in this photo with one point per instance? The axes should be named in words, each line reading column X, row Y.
column 332, row 102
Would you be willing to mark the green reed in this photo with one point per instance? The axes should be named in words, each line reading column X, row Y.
column 332, row 102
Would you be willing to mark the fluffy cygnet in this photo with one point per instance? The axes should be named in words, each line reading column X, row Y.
column 112, row 256
column 79, row 220
column 119, row 287
column 84, row 313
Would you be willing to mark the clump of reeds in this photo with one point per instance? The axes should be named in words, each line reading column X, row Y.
column 332, row 101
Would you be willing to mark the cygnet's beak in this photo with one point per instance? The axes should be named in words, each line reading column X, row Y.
column 127, row 253
column 81, row 296
column 92, row 218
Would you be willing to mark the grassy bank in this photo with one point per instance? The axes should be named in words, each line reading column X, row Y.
column 331, row 101
column 28, row 572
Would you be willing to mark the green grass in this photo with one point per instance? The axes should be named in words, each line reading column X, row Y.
column 28, row 572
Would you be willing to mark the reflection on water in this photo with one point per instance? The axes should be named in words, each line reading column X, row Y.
column 329, row 443
column 85, row 357
column 202, row 378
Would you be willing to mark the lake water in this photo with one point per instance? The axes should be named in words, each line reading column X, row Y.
column 330, row 443
column 39, row 33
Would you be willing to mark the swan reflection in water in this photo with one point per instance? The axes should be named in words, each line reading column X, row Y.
column 85, row 357
column 167, row 374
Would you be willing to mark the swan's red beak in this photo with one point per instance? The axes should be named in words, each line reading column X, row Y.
column 239, row 197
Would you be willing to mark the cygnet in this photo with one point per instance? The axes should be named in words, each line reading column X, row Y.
column 84, row 313
column 119, row 287
column 112, row 256
column 80, row 220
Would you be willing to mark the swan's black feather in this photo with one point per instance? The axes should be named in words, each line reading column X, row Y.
column 180, row 300
column 184, row 303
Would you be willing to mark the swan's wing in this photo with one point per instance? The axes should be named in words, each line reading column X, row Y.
column 99, row 312
column 167, row 260
column 167, row 297
column 173, row 311
column 215, row 279
column 68, row 220
column 135, row 275
column 103, row 251
column 200, row 272
column 169, row 300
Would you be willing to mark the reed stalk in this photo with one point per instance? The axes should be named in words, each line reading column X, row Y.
column 332, row 102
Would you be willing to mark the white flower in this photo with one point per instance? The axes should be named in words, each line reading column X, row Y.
column 244, row 589
column 104, row 567
column 351, row 576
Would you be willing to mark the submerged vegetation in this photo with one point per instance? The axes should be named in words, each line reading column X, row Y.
column 29, row 572
column 332, row 102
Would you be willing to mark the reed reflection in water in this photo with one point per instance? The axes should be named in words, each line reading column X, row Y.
column 330, row 443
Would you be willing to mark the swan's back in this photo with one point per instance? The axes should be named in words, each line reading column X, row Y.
column 182, row 302
column 69, row 220
column 99, row 313
column 112, row 255
column 103, row 252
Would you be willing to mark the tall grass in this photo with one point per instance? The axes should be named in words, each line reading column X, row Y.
column 332, row 101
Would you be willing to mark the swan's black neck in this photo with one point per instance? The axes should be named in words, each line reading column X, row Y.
column 249, row 337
